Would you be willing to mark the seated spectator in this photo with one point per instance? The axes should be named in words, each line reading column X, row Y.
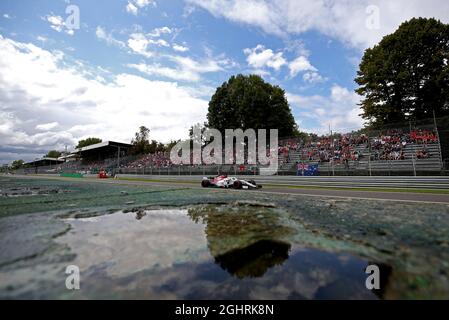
column 422, row 154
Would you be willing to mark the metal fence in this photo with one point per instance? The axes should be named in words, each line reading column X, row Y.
column 204, row 170
column 389, row 169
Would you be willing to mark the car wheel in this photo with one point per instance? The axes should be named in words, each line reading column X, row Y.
column 205, row 183
column 238, row 184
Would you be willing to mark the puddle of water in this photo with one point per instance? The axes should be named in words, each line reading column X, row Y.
column 128, row 243
column 185, row 254
column 26, row 192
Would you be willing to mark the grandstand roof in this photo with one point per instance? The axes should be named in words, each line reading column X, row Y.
column 44, row 161
column 105, row 144
column 69, row 156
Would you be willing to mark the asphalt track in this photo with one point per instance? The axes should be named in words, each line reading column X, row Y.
column 281, row 188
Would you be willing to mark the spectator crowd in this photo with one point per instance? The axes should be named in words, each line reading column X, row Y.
column 337, row 149
column 344, row 148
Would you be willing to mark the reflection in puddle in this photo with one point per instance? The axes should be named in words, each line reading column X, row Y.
column 200, row 253
column 254, row 261
column 127, row 245
column 29, row 191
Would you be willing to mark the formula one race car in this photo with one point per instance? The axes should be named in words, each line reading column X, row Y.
column 224, row 181
column 103, row 174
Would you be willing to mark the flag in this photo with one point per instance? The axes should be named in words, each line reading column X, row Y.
column 305, row 169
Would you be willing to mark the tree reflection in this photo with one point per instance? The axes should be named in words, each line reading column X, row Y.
column 245, row 241
column 255, row 260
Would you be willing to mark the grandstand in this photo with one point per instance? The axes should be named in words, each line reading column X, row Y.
column 45, row 161
column 106, row 155
column 103, row 150
column 50, row 163
column 388, row 152
column 367, row 163
column 393, row 152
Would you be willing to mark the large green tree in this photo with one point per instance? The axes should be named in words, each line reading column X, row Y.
column 53, row 154
column 156, row 146
column 141, row 142
column 406, row 76
column 88, row 142
column 245, row 102
column 17, row 164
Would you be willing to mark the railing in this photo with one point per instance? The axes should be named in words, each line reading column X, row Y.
column 206, row 170
column 445, row 170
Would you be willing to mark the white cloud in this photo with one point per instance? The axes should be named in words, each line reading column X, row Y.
column 134, row 6
column 251, row 12
column 144, row 3
column 342, row 20
column 110, row 40
column 57, row 23
column 47, row 126
column 340, row 110
column 38, row 89
column 160, row 31
column 205, row 66
column 131, row 8
column 138, row 42
column 166, row 72
column 42, row 38
column 6, row 16
column 313, row 77
column 201, row 91
column 180, row 48
column 159, row 42
column 186, row 68
column 259, row 57
column 300, row 64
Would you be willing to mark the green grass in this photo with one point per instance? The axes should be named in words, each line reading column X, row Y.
column 71, row 175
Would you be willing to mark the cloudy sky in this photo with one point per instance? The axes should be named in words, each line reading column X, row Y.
column 157, row 62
